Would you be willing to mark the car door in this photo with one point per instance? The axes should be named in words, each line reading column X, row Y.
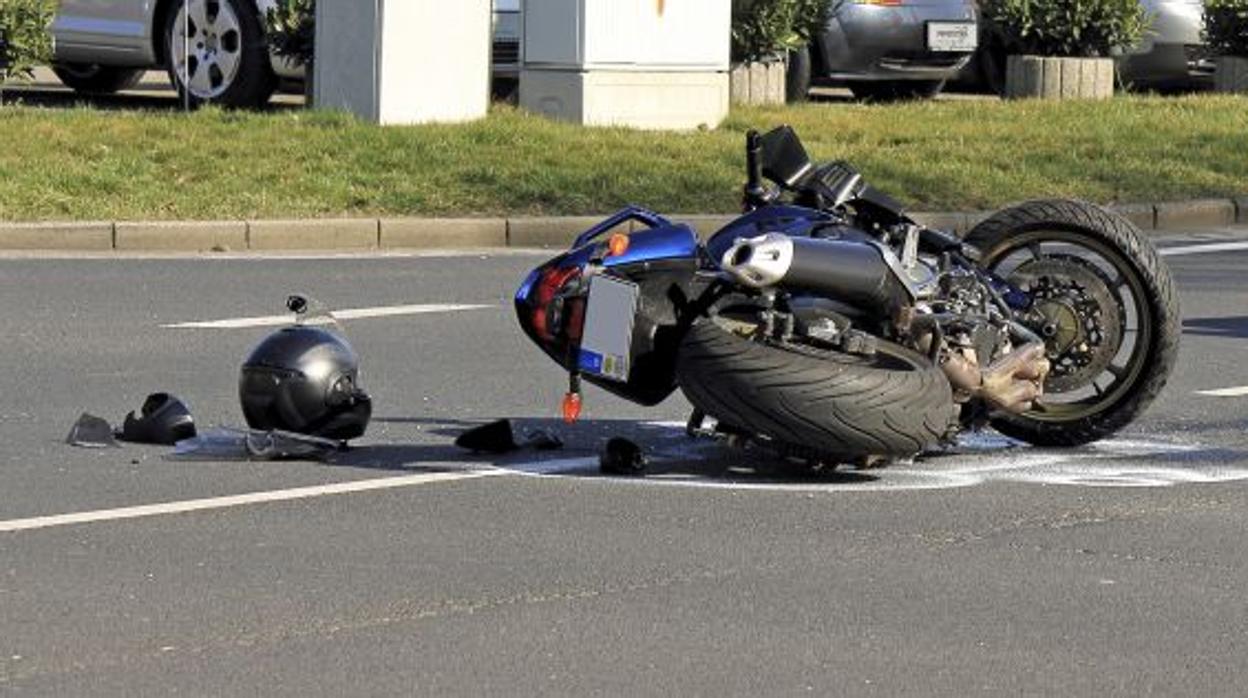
column 108, row 32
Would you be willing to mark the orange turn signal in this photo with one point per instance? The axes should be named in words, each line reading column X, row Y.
column 571, row 407
column 617, row 244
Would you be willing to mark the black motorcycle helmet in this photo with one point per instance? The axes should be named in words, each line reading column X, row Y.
column 305, row 379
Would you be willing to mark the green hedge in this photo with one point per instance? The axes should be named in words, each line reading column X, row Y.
column 1074, row 28
column 1226, row 27
column 25, row 26
column 291, row 27
column 767, row 28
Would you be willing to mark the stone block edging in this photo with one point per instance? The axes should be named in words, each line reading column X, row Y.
column 470, row 233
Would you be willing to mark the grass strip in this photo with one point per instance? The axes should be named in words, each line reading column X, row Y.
column 84, row 164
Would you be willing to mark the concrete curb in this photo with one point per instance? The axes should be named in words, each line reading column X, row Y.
column 461, row 233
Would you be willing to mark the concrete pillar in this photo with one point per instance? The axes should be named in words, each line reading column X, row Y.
column 657, row 64
column 404, row 61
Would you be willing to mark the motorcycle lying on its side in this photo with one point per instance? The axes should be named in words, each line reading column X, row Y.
column 828, row 325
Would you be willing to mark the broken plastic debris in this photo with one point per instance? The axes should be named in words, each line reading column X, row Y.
column 310, row 311
column 91, row 432
column 495, row 437
column 542, row 440
column 621, row 457
column 224, row 443
column 164, row 419
column 499, row 437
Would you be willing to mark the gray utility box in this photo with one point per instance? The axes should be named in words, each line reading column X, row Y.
column 404, row 61
column 659, row 64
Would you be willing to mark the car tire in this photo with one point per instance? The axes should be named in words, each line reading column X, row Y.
column 896, row 90
column 797, row 76
column 992, row 57
column 228, row 57
column 96, row 79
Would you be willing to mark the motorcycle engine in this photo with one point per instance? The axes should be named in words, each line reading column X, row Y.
column 962, row 323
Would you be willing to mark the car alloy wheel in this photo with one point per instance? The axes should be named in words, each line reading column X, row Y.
column 206, row 47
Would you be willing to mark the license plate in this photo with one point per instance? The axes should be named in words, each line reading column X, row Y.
column 607, row 338
column 961, row 37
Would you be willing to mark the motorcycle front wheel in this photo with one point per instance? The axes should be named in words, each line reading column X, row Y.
column 1103, row 302
column 894, row 402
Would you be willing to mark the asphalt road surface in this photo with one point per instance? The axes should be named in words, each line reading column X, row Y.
column 408, row 567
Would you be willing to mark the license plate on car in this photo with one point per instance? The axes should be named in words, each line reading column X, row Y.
column 607, row 337
column 961, row 37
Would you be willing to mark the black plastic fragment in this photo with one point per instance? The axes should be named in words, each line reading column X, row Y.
column 164, row 419
column 91, row 432
column 495, row 437
column 621, row 457
column 542, row 440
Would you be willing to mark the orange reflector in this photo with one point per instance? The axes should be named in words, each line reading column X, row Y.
column 571, row 407
column 884, row 3
column 617, row 244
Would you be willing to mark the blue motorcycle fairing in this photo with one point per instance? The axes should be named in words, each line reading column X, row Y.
column 663, row 261
column 671, row 242
column 795, row 221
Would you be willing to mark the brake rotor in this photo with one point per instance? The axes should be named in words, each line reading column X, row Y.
column 1077, row 312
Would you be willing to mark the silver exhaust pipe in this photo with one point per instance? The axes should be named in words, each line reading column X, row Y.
column 858, row 273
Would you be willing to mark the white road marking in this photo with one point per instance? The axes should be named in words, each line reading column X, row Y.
column 345, row 314
column 1225, row 392
column 286, row 495
column 980, row 459
column 1203, row 249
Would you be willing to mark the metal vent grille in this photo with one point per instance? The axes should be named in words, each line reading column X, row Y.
column 506, row 52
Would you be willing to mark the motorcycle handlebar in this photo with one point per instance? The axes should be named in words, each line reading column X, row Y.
column 755, row 192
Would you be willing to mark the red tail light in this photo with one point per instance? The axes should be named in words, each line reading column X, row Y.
column 547, row 313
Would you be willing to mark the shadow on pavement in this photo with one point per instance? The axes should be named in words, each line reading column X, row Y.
column 671, row 453
column 1234, row 327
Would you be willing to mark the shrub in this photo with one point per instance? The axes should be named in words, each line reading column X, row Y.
column 24, row 24
column 1226, row 27
column 291, row 27
column 766, row 28
column 1073, row 28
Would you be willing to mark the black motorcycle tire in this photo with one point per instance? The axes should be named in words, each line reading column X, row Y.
column 1003, row 231
column 898, row 404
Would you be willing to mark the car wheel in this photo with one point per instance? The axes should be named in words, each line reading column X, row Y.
column 797, row 76
column 895, row 90
column 218, row 54
column 96, row 79
column 992, row 58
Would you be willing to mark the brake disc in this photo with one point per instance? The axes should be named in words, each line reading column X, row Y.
column 1077, row 312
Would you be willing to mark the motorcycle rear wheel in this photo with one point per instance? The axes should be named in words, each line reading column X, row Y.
column 895, row 403
column 1127, row 287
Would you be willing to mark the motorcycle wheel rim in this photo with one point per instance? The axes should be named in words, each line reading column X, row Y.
column 1128, row 277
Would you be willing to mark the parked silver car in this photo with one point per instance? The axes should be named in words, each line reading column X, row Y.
column 1173, row 54
column 214, row 50
column 889, row 49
